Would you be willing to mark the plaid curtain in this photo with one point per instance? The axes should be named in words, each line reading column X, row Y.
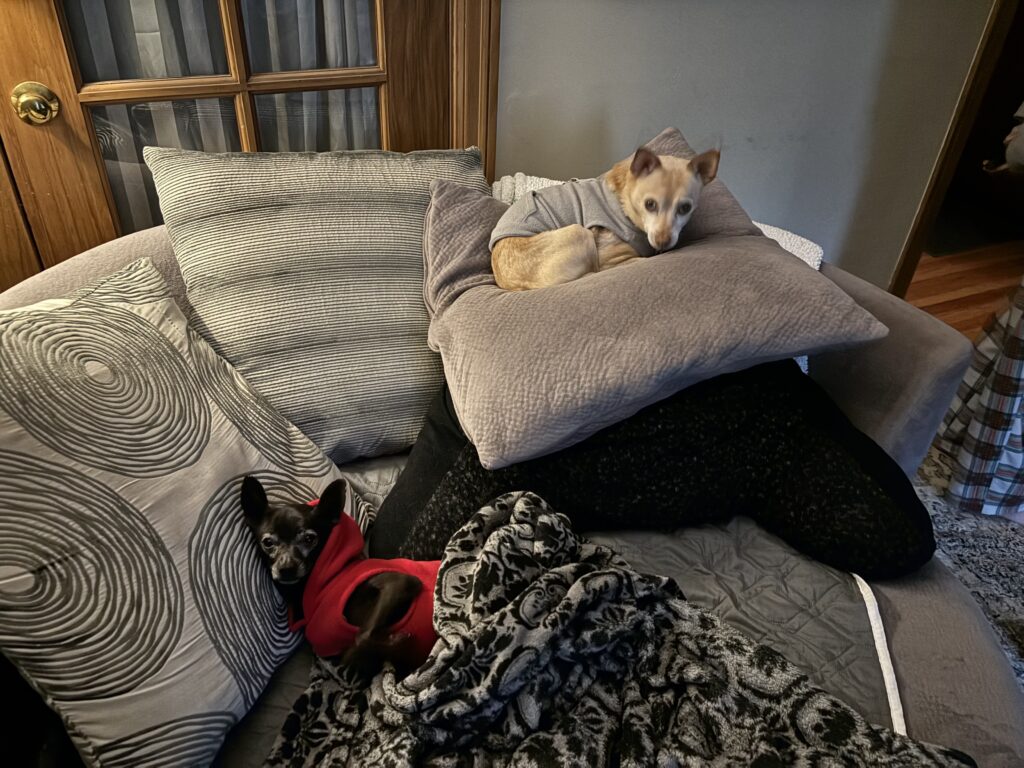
column 983, row 429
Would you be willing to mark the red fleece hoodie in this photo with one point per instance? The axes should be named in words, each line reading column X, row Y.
column 338, row 570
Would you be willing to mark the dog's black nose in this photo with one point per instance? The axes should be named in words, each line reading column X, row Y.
column 288, row 573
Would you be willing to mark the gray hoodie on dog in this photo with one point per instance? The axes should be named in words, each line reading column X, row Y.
column 590, row 202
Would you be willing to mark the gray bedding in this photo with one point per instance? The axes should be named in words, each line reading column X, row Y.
column 813, row 614
column 552, row 650
column 953, row 680
column 950, row 671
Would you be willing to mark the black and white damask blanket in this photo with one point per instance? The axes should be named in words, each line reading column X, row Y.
column 553, row 651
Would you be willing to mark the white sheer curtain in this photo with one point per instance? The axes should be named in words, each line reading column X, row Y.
column 288, row 35
column 124, row 129
column 309, row 34
column 318, row 121
column 130, row 39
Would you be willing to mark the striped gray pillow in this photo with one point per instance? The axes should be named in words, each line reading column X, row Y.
column 305, row 271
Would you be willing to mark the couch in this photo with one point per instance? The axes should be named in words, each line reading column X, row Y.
column 955, row 685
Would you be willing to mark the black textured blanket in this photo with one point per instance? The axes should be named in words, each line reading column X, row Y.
column 766, row 442
column 554, row 652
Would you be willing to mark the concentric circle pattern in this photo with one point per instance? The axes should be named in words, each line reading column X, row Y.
column 100, row 606
column 191, row 740
column 138, row 283
column 257, row 421
column 244, row 614
column 101, row 385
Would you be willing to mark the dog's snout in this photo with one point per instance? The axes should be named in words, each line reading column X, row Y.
column 660, row 242
column 288, row 572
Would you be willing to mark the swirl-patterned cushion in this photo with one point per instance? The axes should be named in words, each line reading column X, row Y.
column 131, row 595
column 305, row 271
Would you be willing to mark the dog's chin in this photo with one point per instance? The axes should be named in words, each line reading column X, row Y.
column 289, row 582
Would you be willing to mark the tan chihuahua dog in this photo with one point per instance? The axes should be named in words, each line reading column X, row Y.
column 561, row 233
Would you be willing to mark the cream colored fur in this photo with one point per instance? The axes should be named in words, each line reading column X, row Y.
column 658, row 193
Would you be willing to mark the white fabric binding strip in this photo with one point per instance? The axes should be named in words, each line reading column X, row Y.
column 892, row 690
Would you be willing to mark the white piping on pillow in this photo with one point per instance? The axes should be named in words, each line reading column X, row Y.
column 892, row 690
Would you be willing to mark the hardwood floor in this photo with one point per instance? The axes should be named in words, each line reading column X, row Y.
column 965, row 289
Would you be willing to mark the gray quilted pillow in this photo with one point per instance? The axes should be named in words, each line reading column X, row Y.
column 132, row 596
column 305, row 271
column 532, row 372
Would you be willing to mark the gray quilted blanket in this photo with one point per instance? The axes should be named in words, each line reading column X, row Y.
column 553, row 651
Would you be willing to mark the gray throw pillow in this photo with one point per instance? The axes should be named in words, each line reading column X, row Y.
column 532, row 372
column 305, row 272
column 132, row 596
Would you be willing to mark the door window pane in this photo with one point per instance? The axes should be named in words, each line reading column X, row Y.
column 131, row 39
column 285, row 35
column 318, row 121
column 124, row 129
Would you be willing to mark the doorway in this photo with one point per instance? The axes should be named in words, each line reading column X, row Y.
column 965, row 257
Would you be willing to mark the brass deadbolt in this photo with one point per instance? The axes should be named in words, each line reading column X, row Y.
column 35, row 103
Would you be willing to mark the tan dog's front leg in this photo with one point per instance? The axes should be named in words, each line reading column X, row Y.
column 550, row 258
column 611, row 250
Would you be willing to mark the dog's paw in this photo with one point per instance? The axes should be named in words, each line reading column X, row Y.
column 397, row 641
column 411, row 588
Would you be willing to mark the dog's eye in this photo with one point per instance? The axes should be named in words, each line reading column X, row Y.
column 267, row 542
column 651, row 205
column 685, row 208
column 308, row 538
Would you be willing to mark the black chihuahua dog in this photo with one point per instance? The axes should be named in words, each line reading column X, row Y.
column 291, row 538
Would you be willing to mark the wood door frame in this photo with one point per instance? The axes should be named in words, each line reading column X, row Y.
column 20, row 258
column 475, row 43
column 421, row 84
column 997, row 26
column 54, row 165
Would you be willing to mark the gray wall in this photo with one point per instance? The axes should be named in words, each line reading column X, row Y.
column 829, row 113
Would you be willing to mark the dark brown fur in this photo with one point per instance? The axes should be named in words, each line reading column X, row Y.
column 290, row 537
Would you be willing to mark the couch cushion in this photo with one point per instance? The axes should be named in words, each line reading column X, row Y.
column 535, row 371
column 89, row 266
column 955, row 681
column 132, row 596
column 305, row 272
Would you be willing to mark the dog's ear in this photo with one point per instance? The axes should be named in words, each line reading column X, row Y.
column 254, row 500
column 705, row 165
column 332, row 502
column 644, row 162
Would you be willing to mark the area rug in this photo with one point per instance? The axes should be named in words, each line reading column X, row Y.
column 986, row 553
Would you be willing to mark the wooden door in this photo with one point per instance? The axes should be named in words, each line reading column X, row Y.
column 18, row 257
column 225, row 75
